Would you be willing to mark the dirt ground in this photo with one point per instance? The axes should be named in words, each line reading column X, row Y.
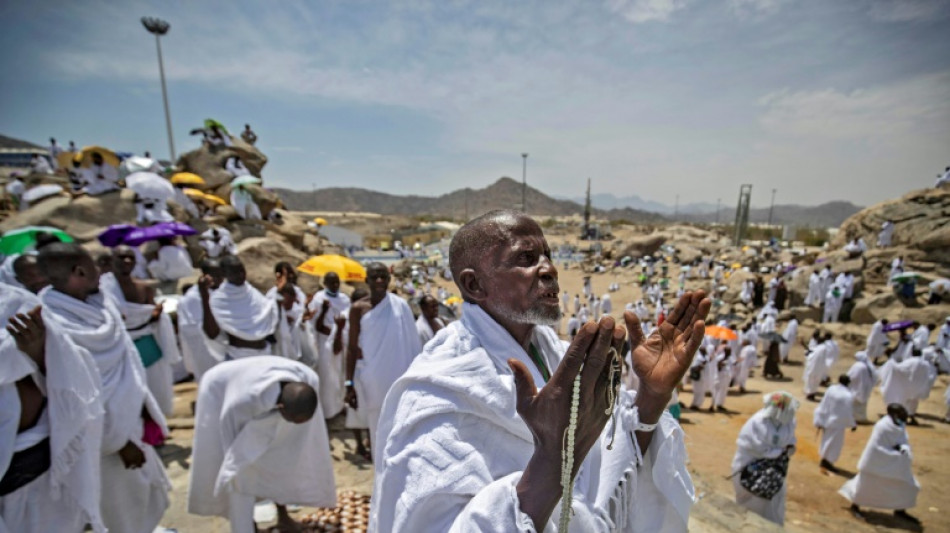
column 813, row 503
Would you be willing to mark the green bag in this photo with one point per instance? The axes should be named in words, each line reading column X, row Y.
column 148, row 350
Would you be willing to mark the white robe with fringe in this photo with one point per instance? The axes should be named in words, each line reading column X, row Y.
column 137, row 317
column 452, row 446
column 884, row 479
column 66, row 496
column 389, row 343
column 132, row 499
column 243, row 445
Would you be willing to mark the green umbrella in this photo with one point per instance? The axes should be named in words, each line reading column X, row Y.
column 17, row 241
column 210, row 123
column 905, row 276
column 246, row 179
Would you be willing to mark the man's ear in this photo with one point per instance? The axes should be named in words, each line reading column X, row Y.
column 471, row 287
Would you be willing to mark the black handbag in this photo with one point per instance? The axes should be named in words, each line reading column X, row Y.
column 765, row 477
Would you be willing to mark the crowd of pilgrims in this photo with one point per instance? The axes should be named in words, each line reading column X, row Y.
column 90, row 361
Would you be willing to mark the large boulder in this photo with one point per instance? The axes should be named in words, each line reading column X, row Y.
column 208, row 162
column 646, row 245
column 918, row 216
column 83, row 217
column 871, row 308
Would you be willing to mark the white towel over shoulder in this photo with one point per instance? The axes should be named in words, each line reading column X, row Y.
column 242, row 311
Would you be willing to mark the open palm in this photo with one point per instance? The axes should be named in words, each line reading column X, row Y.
column 661, row 360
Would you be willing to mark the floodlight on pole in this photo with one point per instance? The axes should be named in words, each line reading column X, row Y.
column 159, row 27
column 524, row 182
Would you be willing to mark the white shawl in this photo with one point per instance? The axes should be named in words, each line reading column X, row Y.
column 885, row 478
column 242, row 311
column 908, row 380
column 836, row 409
column 137, row 317
column 863, row 377
column 95, row 326
column 71, row 386
column 243, row 444
column 455, row 446
column 199, row 352
column 7, row 275
column 389, row 343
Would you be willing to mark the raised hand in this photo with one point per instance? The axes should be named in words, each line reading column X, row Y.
column 29, row 333
column 662, row 359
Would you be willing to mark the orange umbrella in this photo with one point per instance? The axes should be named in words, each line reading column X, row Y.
column 721, row 333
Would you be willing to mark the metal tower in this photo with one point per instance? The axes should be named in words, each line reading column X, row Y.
column 742, row 212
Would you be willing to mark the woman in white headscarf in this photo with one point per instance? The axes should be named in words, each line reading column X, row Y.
column 766, row 435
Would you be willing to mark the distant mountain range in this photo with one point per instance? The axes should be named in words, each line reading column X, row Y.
column 461, row 204
column 506, row 193
column 829, row 214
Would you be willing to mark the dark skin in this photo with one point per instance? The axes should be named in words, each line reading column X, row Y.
column 135, row 291
column 377, row 277
column 430, row 310
column 29, row 334
column 28, row 273
column 518, row 275
column 206, row 283
column 235, row 275
column 332, row 283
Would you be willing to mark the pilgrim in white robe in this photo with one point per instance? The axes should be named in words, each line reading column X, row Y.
column 707, row 378
column 138, row 322
column 833, row 300
column 152, row 210
column 903, row 350
column 15, row 190
column 389, row 343
column 243, row 202
column 584, row 314
column 863, row 377
column 199, row 352
column 66, row 496
column 938, row 357
column 762, row 437
column 746, row 294
column 453, row 448
column 243, row 312
column 907, row 382
column 877, row 341
column 790, row 335
column 724, row 371
column 816, row 367
column 186, row 203
column 290, row 328
column 834, row 415
column 245, row 450
column 606, row 304
column 814, row 289
column 425, row 330
column 943, row 336
column 132, row 499
column 884, row 479
column 173, row 263
column 40, row 165
column 885, row 235
column 219, row 245
column 330, row 366
column 747, row 360
column 921, row 337
column 102, row 179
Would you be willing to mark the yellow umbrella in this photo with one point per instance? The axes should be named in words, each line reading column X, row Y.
column 320, row 221
column 195, row 194
column 65, row 160
column 736, row 266
column 346, row 268
column 452, row 300
column 84, row 156
column 187, row 178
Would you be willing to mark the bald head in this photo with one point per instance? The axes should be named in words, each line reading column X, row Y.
column 233, row 270
column 297, row 402
column 69, row 268
column 27, row 271
column 476, row 239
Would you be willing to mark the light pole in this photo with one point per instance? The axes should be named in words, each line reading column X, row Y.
column 771, row 207
column 159, row 27
column 524, row 182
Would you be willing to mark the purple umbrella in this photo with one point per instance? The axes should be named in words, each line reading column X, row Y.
column 894, row 326
column 161, row 230
column 115, row 234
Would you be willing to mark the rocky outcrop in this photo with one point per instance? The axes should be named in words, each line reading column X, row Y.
column 83, row 217
column 260, row 254
column 873, row 307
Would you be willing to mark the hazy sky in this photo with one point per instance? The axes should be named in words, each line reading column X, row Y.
column 821, row 99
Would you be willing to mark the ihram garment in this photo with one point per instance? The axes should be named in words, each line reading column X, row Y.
column 243, row 312
column 790, row 334
column 877, row 340
column 834, row 415
column 330, row 365
column 66, row 495
column 425, row 330
column 243, row 447
column 452, row 446
column 138, row 322
column 762, row 437
column 134, row 499
column 907, row 383
column 389, row 343
column 884, row 479
column 199, row 352
column 816, row 366
column 863, row 377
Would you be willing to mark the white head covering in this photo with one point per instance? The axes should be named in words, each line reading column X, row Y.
column 861, row 356
column 780, row 406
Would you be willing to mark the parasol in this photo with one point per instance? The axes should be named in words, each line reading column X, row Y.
column 452, row 300
column 210, row 123
column 162, row 230
column 899, row 325
column 17, row 241
column 187, row 178
column 772, row 337
column 246, row 179
column 150, row 185
column 721, row 333
column 905, row 277
column 320, row 221
column 346, row 268
column 115, row 234
column 84, row 156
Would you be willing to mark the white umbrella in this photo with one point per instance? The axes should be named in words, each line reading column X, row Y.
column 131, row 165
column 150, row 185
column 41, row 191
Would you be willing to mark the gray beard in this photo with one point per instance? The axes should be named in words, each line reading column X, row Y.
column 538, row 316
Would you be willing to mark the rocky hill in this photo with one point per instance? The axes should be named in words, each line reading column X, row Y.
column 504, row 193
